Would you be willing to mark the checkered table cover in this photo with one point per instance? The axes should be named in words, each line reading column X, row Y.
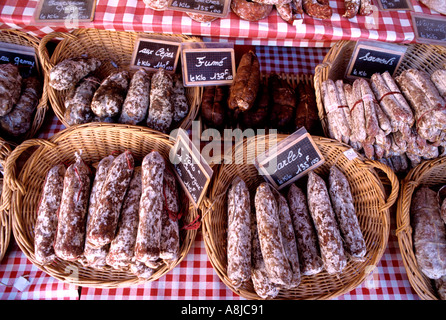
column 133, row 15
column 194, row 278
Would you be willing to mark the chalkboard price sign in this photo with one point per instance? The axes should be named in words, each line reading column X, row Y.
column 429, row 29
column 191, row 169
column 211, row 66
column 216, row 8
column 372, row 57
column 22, row 56
column 395, row 5
column 290, row 160
column 154, row 54
column 65, row 11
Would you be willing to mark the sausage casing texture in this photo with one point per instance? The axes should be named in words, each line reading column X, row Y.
column 257, row 116
column 251, row 11
column 170, row 234
column 214, row 105
column 10, row 87
column 317, row 10
column 95, row 256
column 147, row 247
column 70, row 236
column 239, row 233
column 306, row 111
column 243, row 90
column 330, row 241
column 263, row 286
column 160, row 114
column 78, row 102
column 283, row 101
column 122, row 248
column 68, row 72
column 429, row 234
column 306, row 237
column 288, row 239
column 19, row 120
column 46, row 222
column 270, row 236
column 136, row 103
column 105, row 221
column 108, row 99
column 179, row 100
column 343, row 206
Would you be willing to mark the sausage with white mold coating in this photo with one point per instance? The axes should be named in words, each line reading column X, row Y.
column 70, row 236
column 78, row 102
column 46, row 222
column 330, row 241
column 239, row 233
column 10, row 87
column 136, row 103
column 67, row 73
column 160, row 114
column 270, row 236
column 147, row 246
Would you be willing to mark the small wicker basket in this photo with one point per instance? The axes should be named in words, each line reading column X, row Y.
column 5, row 198
column 112, row 47
column 22, row 38
column 419, row 56
column 370, row 202
column 96, row 141
column 430, row 173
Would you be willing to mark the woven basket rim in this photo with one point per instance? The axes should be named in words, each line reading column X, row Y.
column 215, row 192
column 60, row 270
column 73, row 38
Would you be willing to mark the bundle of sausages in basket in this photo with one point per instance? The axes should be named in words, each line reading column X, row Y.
column 398, row 121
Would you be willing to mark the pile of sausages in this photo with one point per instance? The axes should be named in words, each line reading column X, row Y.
column 428, row 214
column 157, row 101
column 19, row 99
column 123, row 216
column 252, row 102
column 284, row 238
column 399, row 122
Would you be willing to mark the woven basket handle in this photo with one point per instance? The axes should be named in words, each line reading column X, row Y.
column 11, row 162
column 43, row 51
column 391, row 199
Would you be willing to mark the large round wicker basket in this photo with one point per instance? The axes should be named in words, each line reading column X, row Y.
column 432, row 174
column 24, row 39
column 96, row 141
column 114, row 48
column 370, row 199
column 419, row 56
column 5, row 198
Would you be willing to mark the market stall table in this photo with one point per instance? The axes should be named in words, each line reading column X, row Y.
column 134, row 16
column 194, row 278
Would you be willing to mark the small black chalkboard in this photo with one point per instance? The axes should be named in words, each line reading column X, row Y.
column 66, row 11
column 394, row 5
column 212, row 66
column 290, row 160
column 429, row 29
column 154, row 54
column 191, row 169
column 22, row 56
column 372, row 57
column 216, row 8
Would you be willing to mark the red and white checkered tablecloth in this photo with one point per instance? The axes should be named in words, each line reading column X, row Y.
column 194, row 278
column 133, row 15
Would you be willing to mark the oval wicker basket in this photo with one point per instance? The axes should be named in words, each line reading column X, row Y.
column 370, row 202
column 430, row 173
column 96, row 141
column 419, row 56
column 22, row 38
column 111, row 47
column 5, row 199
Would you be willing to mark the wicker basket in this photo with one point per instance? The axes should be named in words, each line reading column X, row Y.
column 5, row 198
column 22, row 38
column 96, row 141
column 419, row 56
column 432, row 174
column 112, row 47
column 370, row 203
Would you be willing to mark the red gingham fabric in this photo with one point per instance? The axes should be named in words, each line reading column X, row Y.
column 133, row 15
